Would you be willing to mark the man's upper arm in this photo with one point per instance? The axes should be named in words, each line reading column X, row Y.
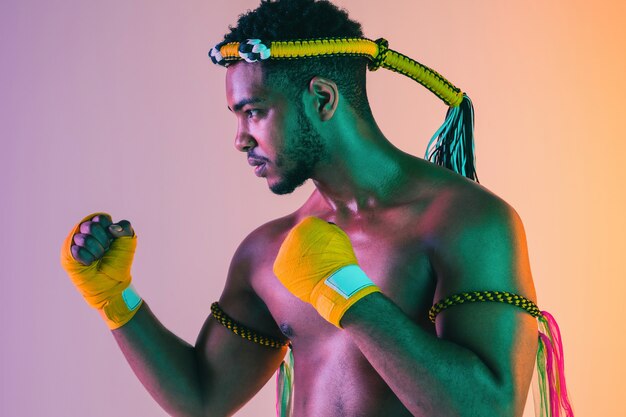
column 235, row 369
column 485, row 249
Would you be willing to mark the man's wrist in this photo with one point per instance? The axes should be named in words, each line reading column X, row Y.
column 360, row 309
column 121, row 308
column 336, row 294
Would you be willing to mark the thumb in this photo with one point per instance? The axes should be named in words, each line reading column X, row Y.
column 121, row 228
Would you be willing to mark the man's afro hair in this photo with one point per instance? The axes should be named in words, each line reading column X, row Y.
column 282, row 20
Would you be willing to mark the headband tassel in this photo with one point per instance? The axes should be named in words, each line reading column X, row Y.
column 452, row 145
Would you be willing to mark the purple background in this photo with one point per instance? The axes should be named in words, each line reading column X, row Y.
column 114, row 106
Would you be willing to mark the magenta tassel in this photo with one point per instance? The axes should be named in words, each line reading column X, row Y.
column 553, row 327
column 555, row 366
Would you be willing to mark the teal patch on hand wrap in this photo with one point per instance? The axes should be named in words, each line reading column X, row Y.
column 131, row 298
column 348, row 280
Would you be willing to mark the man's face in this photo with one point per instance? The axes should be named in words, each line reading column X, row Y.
column 272, row 129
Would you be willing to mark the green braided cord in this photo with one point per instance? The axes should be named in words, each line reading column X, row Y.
column 243, row 331
column 483, row 296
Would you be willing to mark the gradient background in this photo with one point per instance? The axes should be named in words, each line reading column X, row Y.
column 114, row 106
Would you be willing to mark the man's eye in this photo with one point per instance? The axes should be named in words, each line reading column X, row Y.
column 252, row 113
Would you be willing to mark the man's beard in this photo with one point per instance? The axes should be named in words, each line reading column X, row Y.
column 299, row 157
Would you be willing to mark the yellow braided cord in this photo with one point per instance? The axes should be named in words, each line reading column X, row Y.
column 324, row 47
column 483, row 296
column 329, row 47
column 308, row 48
column 429, row 78
column 243, row 331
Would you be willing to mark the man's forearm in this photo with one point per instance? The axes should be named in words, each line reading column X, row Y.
column 432, row 377
column 165, row 364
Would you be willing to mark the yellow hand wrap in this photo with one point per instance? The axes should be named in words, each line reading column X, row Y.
column 317, row 264
column 105, row 283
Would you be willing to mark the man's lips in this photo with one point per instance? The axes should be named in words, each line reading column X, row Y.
column 259, row 166
column 255, row 162
column 259, row 170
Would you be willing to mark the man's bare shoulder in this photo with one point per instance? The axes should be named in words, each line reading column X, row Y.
column 479, row 240
column 464, row 204
column 265, row 237
column 253, row 260
column 482, row 213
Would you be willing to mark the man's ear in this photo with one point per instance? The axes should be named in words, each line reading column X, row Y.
column 325, row 97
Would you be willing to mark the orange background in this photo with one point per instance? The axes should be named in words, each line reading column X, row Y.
column 115, row 106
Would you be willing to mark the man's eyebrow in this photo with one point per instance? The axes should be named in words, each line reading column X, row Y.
column 239, row 105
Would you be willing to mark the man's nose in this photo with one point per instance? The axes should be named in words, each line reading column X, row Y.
column 243, row 140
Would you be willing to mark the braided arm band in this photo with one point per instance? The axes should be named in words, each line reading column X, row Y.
column 377, row 52
column 483, row 296
column 550, row 365
column 243, row 331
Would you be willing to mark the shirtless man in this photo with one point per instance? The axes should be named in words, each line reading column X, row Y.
column 419, row 231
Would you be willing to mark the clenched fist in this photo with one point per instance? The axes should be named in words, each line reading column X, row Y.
column 317, row 264
column 97, row 255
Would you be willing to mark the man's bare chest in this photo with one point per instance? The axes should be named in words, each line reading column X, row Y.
column 396, row 261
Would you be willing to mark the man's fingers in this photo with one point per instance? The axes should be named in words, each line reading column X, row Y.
column 97, row 231
column 90, row 243
column 82, row 255
column 95, row 237
column 104, row 219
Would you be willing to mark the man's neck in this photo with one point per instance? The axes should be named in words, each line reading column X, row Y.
column 363, row 172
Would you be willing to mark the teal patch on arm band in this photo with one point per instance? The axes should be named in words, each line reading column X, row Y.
column 348, row 280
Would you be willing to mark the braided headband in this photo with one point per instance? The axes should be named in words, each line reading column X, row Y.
column 452, row 146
